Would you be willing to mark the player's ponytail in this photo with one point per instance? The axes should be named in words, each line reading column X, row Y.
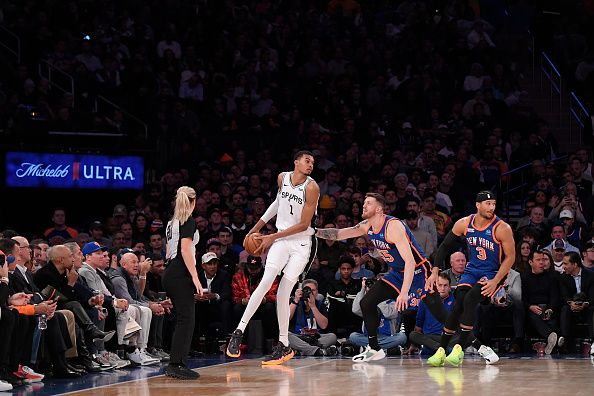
column 184, row 203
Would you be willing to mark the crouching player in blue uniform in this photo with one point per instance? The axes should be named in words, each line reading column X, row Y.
column 491, row 253
column 409, row 269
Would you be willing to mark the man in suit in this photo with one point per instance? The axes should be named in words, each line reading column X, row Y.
column 213, row 308
column 27, row 340
column 22, row 279
column 60, row 274
column 577, row 299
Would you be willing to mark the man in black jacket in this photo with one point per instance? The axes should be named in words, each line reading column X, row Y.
column 341, row 293
column 577, row 299
column 60, row 274
column 540, row 294
column 57, row 339
column 213, row 308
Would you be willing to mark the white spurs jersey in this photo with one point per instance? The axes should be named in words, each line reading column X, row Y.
column 291, row 200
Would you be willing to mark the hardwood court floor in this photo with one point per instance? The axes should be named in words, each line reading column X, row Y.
column 394, row 376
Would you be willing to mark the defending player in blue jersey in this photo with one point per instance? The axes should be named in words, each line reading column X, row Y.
column 491, row 253
column 409, row 268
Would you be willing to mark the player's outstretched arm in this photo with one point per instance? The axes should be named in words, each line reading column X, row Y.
column 338, row 234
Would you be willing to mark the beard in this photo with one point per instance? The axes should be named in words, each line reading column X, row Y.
column 484, row 213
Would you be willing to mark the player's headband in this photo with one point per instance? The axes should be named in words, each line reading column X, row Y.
column 484, row 196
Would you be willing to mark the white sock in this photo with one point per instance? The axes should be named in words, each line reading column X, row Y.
column 257, row 296
column 282, row 309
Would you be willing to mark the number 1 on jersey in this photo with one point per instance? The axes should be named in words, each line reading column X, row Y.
column 291, row 206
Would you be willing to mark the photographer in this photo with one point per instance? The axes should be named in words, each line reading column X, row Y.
column 567, row 200
column 388, row 335
column 341, row 294
column 577, row 299
column 308, row 317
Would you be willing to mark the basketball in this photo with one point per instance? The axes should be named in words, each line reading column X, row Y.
column 251, row 244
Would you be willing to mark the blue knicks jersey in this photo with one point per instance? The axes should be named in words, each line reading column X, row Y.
column 484, row 250
column 387, row 249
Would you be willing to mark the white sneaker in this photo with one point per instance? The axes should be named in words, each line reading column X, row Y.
column 488, row 354
column 5, row 386
column 592, row 349
column 369, row 355
column 135, row 357
column 551, row 342
column 148, row 360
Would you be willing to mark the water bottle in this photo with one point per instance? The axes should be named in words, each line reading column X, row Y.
column 42, row 325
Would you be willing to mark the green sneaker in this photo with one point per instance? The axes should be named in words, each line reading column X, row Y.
column 438, row 358
column 456, row 356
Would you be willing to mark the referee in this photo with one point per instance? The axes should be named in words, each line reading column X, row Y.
column 181, row 280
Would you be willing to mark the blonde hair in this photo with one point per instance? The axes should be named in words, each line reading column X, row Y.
column 184, row 203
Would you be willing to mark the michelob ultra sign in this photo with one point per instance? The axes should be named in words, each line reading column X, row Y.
column 52, row 170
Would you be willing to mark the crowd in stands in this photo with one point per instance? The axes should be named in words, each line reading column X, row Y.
column 421, row 101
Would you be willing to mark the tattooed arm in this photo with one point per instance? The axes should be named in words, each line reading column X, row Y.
column 338, row 234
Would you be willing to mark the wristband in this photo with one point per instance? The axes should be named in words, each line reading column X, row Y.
column 142, row 277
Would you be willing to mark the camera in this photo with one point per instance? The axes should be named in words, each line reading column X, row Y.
column 579, row 298
column 306, row 293
column 347, row 349
column 369, row 282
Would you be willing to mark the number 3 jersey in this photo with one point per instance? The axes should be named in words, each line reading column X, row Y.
column 291, row 200
column 484, row 250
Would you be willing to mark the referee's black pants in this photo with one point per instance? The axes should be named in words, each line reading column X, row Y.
column 180, row 289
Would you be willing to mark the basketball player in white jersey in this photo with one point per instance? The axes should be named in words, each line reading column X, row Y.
column 291, row 250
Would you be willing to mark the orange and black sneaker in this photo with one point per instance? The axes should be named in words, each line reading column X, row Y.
column 234, row 346
column 280, row 354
